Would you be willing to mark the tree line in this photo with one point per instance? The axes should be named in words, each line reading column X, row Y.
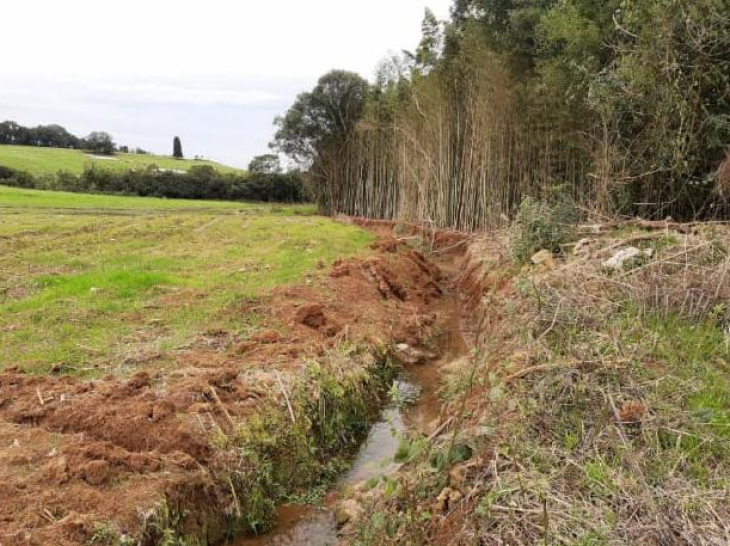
column 620, row 106
column 200, row 182
column 56, row 136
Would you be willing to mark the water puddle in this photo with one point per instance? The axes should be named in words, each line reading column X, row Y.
column 317, row 526
column 298, row 526
column 375, row 457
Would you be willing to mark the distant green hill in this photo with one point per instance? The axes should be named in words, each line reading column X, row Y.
column 39, row 161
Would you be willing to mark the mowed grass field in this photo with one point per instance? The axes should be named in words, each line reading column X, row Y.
column 40, row 161
column 89, row 283
column 12, row 199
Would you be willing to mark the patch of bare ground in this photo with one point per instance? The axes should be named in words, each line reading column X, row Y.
column 190, row 450
column 595, row 410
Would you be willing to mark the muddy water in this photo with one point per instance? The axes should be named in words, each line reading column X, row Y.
column 317, row 526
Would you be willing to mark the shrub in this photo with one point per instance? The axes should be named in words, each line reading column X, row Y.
column 540, row 225
column 18, row 179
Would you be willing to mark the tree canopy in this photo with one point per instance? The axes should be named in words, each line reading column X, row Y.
column 51, row 136
column 321, row 117
column 100, row 142
column 265, row 164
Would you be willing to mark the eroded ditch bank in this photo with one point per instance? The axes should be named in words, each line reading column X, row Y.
column 415, row 410
column 202, row 446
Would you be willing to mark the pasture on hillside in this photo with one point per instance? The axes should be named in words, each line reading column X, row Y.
column 43, row 161
column 89, row 283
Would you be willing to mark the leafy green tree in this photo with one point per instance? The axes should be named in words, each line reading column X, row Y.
column 12, row 133
column 321, row 117
column 54, row 136
column 177, row 151
column 44, row 135
column 665, row 97
column 571, row 39
column 265, row 164
column 429, row 50
column 100, row 142
column 314, row 132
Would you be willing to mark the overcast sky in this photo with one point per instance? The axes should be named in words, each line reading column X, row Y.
column 214, row 72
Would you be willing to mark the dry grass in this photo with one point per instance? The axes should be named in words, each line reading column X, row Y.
column 599, row 412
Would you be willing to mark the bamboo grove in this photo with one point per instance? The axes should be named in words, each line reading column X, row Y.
column 619, row 107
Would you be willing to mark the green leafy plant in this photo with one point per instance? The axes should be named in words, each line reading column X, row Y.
column 540, row 225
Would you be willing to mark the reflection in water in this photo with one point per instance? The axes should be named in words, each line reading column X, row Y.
column 298, row 526
column 376, row 455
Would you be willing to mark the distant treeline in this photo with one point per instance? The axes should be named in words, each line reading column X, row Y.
column 201, row 182
column 56, row 136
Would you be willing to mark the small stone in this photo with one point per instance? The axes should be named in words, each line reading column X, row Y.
column 440, row 506
column 582, row 246
column 408, row 356
column 625, row 255
column 442, row 501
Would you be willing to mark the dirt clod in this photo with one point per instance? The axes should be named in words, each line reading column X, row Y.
column 266, row 337
column 311, row 315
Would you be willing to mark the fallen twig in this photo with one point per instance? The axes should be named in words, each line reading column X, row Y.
column 221, row 406
column 442, row 427
column 286, row 397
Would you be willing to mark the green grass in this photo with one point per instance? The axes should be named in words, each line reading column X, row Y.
column 89, row 291
column 18, row 200
column 40, row 161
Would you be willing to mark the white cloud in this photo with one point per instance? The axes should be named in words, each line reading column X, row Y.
column 226, row 66
column 167, row 94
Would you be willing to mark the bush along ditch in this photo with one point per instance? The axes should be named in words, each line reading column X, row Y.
column 595, row 411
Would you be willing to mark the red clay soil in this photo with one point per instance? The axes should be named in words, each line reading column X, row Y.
column 75, row 452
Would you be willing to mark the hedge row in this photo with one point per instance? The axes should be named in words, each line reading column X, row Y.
column 201, row 182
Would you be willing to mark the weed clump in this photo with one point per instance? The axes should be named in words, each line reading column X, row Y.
column 540, row 225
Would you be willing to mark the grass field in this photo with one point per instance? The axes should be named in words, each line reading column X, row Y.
column 40, row 161
column 12, row 200
column 88, row 282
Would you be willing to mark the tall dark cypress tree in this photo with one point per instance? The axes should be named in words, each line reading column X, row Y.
column 177, row 152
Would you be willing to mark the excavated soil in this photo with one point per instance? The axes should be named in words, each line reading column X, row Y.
column 75, row 452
